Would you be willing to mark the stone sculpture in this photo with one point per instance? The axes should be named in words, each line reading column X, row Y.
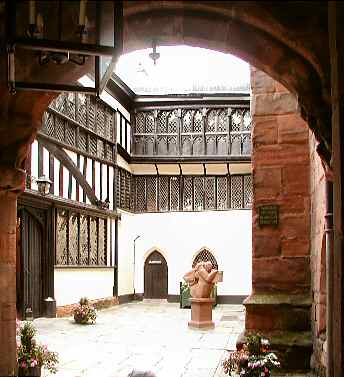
column 201, row 280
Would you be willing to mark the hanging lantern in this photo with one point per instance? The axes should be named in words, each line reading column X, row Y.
column 62, row 33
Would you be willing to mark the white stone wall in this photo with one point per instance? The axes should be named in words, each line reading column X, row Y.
column 179, row 236
column 73, row 283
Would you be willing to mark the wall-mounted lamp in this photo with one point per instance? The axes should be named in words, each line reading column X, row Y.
column 43, row 184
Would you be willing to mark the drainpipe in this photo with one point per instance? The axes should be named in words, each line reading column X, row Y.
column 115, row 265
column 136, row 238
column 329, row 277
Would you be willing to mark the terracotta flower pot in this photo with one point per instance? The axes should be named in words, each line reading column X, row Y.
column 32, row 371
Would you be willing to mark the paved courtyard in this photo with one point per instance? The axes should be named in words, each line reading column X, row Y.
column 148, row 335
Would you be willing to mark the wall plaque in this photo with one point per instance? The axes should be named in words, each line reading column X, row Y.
column 268, row 215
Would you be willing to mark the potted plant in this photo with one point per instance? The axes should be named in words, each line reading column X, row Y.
column 254, row 359
column 32, row 356
column 185, row 295
column 84, row 313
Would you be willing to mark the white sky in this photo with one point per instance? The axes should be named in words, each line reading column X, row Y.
column 183, row 69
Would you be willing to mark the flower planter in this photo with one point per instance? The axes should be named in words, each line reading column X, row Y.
column 32, row 371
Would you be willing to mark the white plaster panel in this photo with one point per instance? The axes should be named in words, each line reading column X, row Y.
column 90, row 282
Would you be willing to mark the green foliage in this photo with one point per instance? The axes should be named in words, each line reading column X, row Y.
column 32, row 354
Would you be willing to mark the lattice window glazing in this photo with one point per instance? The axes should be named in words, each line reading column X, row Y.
column 151, row 188
column 222, row 192
column 140, row 204
column 61, row 237
column 93, row 241
column 100, row 149
column 210, row 192
column 198, row 122
column 93, row 145
column 80, row 239
column 70, row 135
column 82, row 141
column 211, row 121
column 48, row 124
column 187, row 194
column 174, row 193
column 247, row 120
column 91, row 114
column 82, row 109
column 140, row 123
column 118, row 187
column 173, row 122
column 205, row 256
column 101, row 118
column 84, row 240
column 123, row 185
column 69, row 105
column 162, row 121
column 236, row 120
column 60, row 129
column 163, row 193
column 222, row 122
column 127, row 190
column 150, row 123
column 236, row 191
column 73, row 238
column 102, row 242
column 187, row 121
column 198, row 193
column 248, row 191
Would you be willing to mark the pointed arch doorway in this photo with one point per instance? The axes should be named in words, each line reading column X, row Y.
column 155, row 276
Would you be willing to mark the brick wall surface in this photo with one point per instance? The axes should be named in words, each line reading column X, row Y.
column 280, row 162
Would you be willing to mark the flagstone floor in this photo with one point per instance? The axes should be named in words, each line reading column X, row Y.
column 149, row 335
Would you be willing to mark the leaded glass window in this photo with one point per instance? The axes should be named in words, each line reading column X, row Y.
column 81, row 239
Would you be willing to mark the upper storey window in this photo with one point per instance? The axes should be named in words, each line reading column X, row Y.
column 183, row 70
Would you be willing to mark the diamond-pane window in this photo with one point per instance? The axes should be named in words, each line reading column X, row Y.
column 205, row 256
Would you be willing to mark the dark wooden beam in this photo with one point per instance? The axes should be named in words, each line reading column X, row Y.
column 66, row 161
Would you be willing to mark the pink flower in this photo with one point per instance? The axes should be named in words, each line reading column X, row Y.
column 33, row 363
column 266, row 370
column 262, row 374
column 23, row 364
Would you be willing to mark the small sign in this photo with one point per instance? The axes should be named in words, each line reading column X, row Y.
column 268, row 215
column 154, row 262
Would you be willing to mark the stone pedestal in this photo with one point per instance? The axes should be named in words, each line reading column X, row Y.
column 201, row 313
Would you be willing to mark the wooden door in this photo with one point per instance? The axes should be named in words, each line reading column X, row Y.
column 156, row 275
column 31, row 247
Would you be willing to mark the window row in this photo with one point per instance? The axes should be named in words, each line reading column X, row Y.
column 81, row 239
column 182, row 193
column 188, row 132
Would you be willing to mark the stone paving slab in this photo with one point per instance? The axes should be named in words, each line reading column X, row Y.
column 144, row 335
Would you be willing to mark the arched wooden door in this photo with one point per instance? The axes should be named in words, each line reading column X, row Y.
column 156, row 276
column 31, row 246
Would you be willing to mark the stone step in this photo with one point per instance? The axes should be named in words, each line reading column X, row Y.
column 278, row 312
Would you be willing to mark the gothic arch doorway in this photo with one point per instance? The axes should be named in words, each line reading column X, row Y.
column 156, row 276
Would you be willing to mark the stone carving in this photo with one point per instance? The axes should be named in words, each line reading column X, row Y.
column 202, row 278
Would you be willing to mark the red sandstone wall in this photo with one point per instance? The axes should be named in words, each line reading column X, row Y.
column 318, row 255
column 280, row 164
